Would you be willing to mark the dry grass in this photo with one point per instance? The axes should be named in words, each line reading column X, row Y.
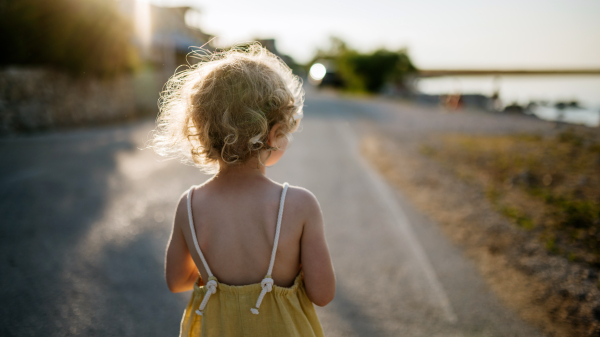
column 484, row 193
column 549, row 185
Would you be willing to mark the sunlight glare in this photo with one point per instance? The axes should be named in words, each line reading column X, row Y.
column 317, row 71
column 142, row 23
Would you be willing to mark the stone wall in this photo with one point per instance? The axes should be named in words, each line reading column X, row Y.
column 39, row 99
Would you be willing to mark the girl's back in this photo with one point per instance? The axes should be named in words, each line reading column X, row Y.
column 235, row 222
column 252, row 250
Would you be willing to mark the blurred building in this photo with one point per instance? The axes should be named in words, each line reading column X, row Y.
column 270, row 45
column 172, row 38
column 162, row 34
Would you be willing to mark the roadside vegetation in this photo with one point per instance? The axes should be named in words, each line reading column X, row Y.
column 82, row 37
column 365, row 72
column 547, row 185
column 524, row 208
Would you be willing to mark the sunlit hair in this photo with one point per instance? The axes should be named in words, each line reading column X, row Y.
column 224, row 107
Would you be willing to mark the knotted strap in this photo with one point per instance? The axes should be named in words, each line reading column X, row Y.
column 211, row 288
column 267, row 286
column 267, row 283
column 211, row 285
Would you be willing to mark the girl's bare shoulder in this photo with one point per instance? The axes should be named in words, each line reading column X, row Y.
column 181, row 212
column 302, row 203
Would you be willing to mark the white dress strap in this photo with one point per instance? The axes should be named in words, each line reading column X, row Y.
column 278, row 229
column 267, row 282
column 193, row 229
column 211, row 285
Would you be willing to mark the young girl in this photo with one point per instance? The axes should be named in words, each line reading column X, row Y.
column 252, row 250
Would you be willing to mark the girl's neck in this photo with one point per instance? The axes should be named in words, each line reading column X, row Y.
column 250, row 169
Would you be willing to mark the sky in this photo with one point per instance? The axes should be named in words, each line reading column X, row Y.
column 457, row 34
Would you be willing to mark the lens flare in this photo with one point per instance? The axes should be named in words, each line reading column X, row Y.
column 317, row 71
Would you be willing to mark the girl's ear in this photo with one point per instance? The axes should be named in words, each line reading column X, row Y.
column 273, row 133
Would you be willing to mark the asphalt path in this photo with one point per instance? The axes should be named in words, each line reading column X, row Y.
column 86, row 214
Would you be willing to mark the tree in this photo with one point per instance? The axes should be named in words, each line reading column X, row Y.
column 368, row 72
column 79, row 36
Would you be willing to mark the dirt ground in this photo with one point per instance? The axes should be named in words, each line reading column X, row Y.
column 559, row 296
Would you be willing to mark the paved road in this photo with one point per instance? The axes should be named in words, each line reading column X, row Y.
column 86, row 216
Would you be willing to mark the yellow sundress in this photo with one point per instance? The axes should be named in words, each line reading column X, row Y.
column 260, row 309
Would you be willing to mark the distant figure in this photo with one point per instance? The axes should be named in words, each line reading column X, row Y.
column 495, row 101
column 252, row 250
column 453, row 102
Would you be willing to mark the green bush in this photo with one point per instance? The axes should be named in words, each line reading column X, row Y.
column 367, row 72
column 379, row 68
column 83, row 37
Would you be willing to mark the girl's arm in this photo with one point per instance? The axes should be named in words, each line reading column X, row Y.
column 180, row 270
column 319, row 277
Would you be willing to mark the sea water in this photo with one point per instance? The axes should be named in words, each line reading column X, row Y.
column 545, row 90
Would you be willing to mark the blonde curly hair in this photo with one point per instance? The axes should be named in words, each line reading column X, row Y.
column 224, row 107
